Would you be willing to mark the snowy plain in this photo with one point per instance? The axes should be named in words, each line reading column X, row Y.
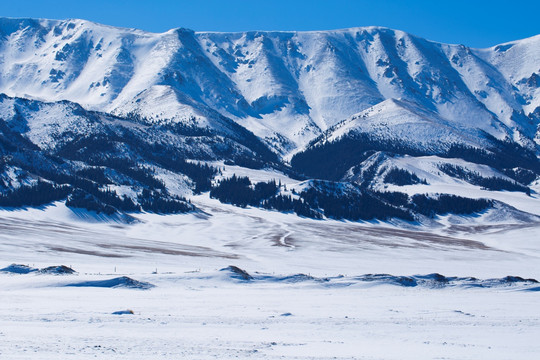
column 307, row 299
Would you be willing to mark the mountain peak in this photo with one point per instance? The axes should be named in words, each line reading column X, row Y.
column 286, row 87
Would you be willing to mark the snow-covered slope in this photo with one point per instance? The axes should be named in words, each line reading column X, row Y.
column 56, row 141
column 286, row 87
column 407, row 123
column 517, row 62
column 364, row 106
column 52, row 125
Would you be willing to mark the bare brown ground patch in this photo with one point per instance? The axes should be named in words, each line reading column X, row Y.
column 490, row 228
column 394, row 238
column 86, row 252
column 202, row 252
column 283, row 240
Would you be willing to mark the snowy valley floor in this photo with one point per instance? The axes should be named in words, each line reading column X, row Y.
column 196, row 311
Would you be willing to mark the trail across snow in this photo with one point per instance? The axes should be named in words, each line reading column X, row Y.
column 197, row 311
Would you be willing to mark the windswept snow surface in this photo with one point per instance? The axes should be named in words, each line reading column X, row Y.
column 307, row 298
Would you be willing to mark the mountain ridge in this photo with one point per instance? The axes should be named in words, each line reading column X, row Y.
column 119, row 119
column 266, row 81
column 345, row 29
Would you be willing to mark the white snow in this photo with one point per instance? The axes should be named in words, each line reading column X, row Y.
column 196, row 311
column 406, row 123
column 286, row 87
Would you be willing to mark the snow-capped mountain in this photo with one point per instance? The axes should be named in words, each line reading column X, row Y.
column 132, row 111
column 286, row 87
column 357, row 193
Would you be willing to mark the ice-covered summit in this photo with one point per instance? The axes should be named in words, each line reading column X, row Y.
column 286, row 87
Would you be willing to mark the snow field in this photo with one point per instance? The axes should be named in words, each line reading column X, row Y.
column 196, row 311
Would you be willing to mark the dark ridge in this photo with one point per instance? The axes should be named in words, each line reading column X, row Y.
column 402, row 177
column 38, row 194
column 331, row 160
column 57, row 270
column 119, row 282
column 519, row 279
column 238, row 273
column 25, row 269
column 289, row 279
column 436, row 280
column 124, row 312
column 448, row 204
column 489, row 183
column 429, row 281
column 436, row 277
column 18, row 269
column 405, row 281
column 296, row 278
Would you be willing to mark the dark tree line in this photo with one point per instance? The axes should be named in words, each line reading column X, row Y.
column 83, row 193
column 285, row 203
column 38, row 194
column 393, row 197
column 95, row 174
column 501, row 155
column 201, row 174
column 312, row 202
column 523, row 176
column 446, row 204
column 402, row 177
column 240, row 192
column 326, row 198
column 144, row 176
column 353, row 206
column 122, row 150
column 491, row 183
column 109, row 202
column 88, row 194
column 334, row 201
column 331, row 160
column 80, row 199
column 153, row 201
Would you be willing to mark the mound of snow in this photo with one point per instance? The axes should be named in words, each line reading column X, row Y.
column 427, row 281
column 57, row 270
column 18, row 269
column 124, row 312
column 119, row 282
column 436, row 281
column 405, row 281
column 237, row 273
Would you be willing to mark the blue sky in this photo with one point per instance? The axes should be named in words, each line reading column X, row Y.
column 475, row 23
